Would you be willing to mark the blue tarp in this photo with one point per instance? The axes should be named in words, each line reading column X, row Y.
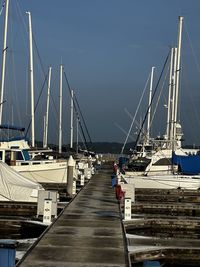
column 189, row 164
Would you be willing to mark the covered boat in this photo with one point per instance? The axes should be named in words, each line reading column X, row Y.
column 15, row 187
column 187, row 164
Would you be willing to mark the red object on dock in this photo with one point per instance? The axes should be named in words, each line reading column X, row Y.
column 119, row 193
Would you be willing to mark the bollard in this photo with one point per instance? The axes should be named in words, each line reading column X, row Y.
column 7, row 252
column 47, row 211
column 70, row 176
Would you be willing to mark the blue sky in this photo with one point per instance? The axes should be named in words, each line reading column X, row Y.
column 108, row 48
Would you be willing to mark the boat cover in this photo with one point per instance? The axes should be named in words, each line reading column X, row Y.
column 188, row 164
column 15, row 187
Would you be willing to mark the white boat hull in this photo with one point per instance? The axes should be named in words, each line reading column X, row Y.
column 165, row 182
column 47, row 172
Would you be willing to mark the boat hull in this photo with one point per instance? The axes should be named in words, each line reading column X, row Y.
column 165, row 182
column 54, row 172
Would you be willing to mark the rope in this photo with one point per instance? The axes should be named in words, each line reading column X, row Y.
column 154, row 93
column 76, row 111
column 133, row 120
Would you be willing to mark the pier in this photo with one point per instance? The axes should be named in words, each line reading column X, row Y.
column 89, row 231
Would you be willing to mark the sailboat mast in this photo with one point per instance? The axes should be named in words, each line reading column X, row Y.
column 172, row 127
column 149, row 110
column 47, row 110
column 31, row 80
column 60, row 119
column 77, row 133
column 4, row 58
column 178, row 70
column 44, row 127
column 169, row 95
column 71, row 119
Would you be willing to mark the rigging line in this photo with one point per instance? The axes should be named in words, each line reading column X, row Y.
column 158, row 100
column 82, row 141
column 192, row 48
column 34, row 40
column 82, row 131
column 2, row 7
column 83, row 119
column 130, row 128
column 37, row 103
column 136, row 122
column 81, row 114
column 154, row 93
column 75, row 100
column 123, row 131
column 76, row 109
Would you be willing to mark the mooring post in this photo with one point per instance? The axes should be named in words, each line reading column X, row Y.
column 7, row 252
column 70, row 176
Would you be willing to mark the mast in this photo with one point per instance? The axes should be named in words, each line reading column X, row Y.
column 71, row 119
column 31, row 80
column 77, row 133
column 172, row 137
column 178, row 72
column 47, row 110
column 44, row 127
column 149, row 110
column 60, row 119
column 4, row 58
column 169, row 95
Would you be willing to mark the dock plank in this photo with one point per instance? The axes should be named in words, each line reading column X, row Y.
column 89, row 232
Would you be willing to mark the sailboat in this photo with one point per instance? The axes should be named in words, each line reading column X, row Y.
column 163, row 164
column 15, row 151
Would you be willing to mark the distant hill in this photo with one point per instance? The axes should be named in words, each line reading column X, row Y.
column 103, row 147
column 97, row 147
column 110, row 147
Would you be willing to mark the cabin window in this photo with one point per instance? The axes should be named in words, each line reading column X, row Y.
column 7, row 157
column 19, row 155
column 26, row 154
column 1, row 155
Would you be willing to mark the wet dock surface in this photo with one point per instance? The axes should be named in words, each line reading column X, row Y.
column 164, row 227
column 89, row 232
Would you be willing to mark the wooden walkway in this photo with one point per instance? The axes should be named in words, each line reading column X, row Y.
column 89, row 232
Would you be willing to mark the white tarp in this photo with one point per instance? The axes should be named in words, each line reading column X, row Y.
column 15, row 187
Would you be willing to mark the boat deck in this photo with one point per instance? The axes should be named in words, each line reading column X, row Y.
column 89, row 232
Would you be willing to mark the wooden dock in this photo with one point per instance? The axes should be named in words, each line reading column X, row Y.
column 89, row 232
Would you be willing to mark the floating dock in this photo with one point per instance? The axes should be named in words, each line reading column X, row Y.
column 89, row 231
